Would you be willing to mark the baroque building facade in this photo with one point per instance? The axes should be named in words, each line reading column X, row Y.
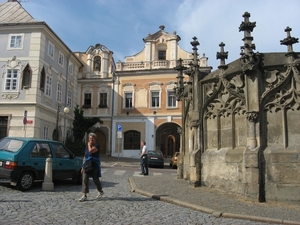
column 145, row 103
column 38, row 77
column 95, row 91
column 240, row 129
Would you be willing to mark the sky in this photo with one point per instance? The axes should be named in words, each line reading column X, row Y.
column 121, row 25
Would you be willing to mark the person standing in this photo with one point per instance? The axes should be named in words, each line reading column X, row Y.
column 144, row 159
column 92, row 152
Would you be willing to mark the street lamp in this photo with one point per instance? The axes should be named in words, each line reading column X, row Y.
column 66, row 111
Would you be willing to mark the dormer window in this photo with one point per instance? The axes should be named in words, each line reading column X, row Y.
column 162, row 55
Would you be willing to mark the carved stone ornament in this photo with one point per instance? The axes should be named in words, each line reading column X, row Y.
column 252, row 116
column 14, row 95
column 14, row 62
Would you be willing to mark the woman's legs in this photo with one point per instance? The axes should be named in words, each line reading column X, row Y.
column 85, row 183
column 96, row 178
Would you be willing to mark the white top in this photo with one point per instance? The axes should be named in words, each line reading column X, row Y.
column 144, row 150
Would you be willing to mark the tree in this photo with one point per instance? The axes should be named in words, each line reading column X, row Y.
column 80, row 127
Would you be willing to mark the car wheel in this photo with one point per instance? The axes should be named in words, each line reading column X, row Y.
column 170, row 164
column 162, row 166
column 174, row 167
column 25, row 181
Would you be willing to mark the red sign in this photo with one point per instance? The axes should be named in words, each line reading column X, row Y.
column 29, row 121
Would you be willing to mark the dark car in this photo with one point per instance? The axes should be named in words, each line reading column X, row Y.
column 173, row 160
column 23, row 160
column 155, row 158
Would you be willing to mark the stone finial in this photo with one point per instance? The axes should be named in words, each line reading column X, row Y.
column 161, row 27
column 222, row 56
column 289, row 41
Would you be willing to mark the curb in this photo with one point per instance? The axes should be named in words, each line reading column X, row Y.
column 208, row 210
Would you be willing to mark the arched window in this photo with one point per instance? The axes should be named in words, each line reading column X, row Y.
column 43, row 78
column 97, row 63
column 132, row 139
column 26, row 81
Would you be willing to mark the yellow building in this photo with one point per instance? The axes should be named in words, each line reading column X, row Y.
column 145, row 106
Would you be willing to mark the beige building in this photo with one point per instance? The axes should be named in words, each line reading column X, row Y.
column 145, row 104
column 95, row 90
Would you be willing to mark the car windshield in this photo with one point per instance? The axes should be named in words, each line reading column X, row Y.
column 154, row 153
column 10, row 145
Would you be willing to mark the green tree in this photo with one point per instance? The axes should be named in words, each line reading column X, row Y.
column 81, row 125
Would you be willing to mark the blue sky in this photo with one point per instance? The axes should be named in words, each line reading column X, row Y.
column 121, row 25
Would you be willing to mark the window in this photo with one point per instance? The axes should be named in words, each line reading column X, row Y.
column 87, row 100
column 162, row 55
column 69, row 99
column 154, row 99
column 50, row 50
column 172, row 103
column 70, row 69
column 60, row 151
column 16, row 41
column 97, row 63
column 61, row 59
column 11, row 82
column 26, row 81
column 132, row 139
column 46, row 133
column 103, row 100
column 48, row 91
column 59, row 92
column 128, row 100
column 41, row 150
column 43, row 77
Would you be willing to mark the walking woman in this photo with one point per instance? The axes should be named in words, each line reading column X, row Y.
column 92, row 152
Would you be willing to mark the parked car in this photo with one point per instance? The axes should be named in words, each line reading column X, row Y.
column 173, row 160
column 155, row 158
column 23, row 160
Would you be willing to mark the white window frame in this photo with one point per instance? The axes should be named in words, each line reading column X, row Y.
column 69, row 99
column 168, row 103
column 51, row 49
column 45, row 132
column 13, row 80
column 59, row 92
column 18, row 42
column 48, row 85
column 159, row 99
column 61, row 59
column 124, row 103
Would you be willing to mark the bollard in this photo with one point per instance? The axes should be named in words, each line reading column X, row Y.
column 48, row 184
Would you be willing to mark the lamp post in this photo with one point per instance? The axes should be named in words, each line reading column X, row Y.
column 66, row 110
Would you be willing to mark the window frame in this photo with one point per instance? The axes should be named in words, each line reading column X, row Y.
column 51, row 49
column 125, row 100
column 151, row 99
column 13, row 80
column 174, row 100
column 103, row 100
column 85, row 103
column 21, row 41
column 59, row 92
column 48, row 85
column 163, row 56
column 61, row 59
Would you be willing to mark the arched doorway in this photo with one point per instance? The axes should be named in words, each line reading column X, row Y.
column 168, row 139
column 102, row 141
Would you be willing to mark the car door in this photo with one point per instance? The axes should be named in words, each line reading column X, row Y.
column 63, row 163
column 40, row 152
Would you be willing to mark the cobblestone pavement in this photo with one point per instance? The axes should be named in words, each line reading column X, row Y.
column 118, row 206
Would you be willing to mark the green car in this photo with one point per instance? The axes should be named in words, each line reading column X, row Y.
column 23, row 161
